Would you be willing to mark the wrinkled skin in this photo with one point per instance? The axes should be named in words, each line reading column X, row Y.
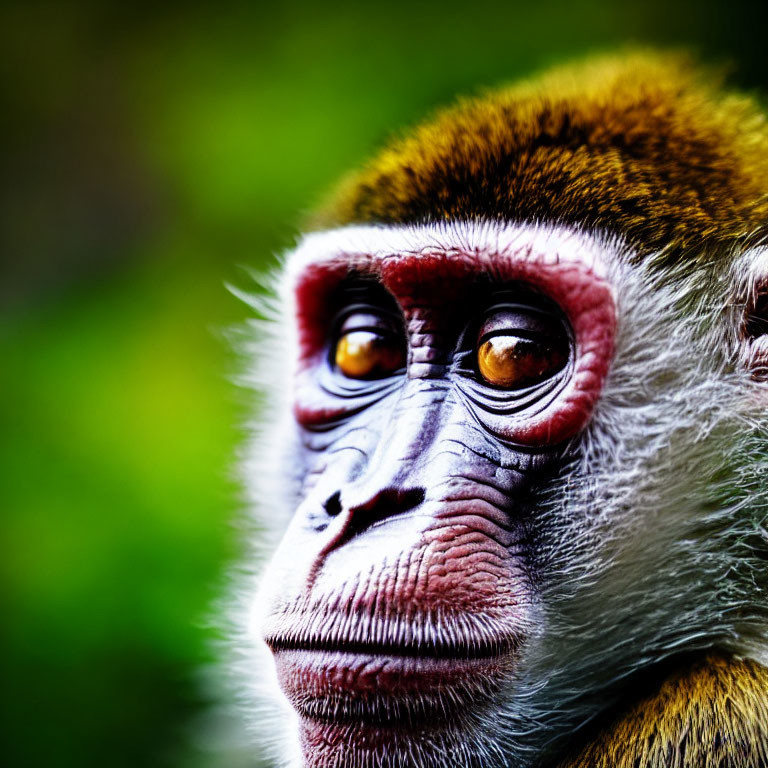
column 408, row 576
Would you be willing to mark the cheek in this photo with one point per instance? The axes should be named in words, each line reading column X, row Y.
column 290, row 567
column 332, row 459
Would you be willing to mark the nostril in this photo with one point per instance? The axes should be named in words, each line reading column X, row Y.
column 333, row 505
column 386, row 503
column 408, row 499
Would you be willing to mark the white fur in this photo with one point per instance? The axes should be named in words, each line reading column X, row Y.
column 653, row 540
column 543, row 244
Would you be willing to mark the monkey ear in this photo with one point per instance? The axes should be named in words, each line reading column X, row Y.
column 753, row 334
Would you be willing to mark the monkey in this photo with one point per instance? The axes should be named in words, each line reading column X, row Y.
column 512, row 480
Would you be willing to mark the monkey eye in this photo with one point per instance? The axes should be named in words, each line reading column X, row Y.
column 368, row 346
column 518, row 349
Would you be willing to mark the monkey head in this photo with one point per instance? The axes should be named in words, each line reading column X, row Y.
column 517, row 454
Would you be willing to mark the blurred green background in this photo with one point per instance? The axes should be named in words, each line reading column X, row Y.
column 149, row 153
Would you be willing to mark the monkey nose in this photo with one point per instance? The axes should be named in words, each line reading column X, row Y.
column 388, row 503
column 383, row 504
column 376, row 508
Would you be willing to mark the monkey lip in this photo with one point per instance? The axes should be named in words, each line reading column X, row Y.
column 386, row 688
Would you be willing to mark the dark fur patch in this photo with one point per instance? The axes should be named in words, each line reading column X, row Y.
column 643, row 145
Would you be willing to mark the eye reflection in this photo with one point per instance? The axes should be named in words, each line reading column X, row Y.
column 514, row 362
column 368, row 354
column 519, row 346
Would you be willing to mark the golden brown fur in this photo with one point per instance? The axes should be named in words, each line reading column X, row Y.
column 642, row 145
column 712, row 715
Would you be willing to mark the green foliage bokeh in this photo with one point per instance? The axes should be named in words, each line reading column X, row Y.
column 149, row 154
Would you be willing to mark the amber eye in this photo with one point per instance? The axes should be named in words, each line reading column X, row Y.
column 519, row 347
column 514, row 362
column 368, row 354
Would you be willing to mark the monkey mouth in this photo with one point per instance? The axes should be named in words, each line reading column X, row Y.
column 384, row 690
column 356, row 686
column 452, row 646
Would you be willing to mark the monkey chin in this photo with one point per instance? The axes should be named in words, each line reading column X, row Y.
column 389, row 708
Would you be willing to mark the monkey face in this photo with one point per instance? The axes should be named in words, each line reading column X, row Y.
column 524, row 463
column 453, row 388
column 441, row 378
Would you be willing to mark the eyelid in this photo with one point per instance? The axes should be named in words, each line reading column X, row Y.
column 522, row 322
column 367, row 318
